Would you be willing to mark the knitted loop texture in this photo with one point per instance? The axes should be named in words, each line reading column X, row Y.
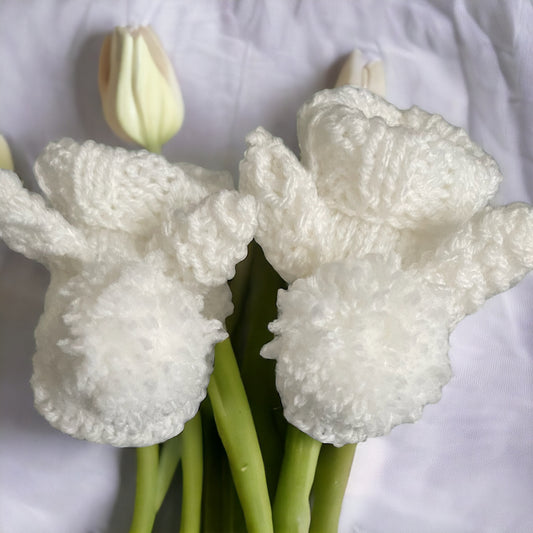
column 387, row 237
column 139, row 251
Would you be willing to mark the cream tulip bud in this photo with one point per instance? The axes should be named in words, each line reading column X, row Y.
column 141, row 98
column 6, row 161
column 356, row 71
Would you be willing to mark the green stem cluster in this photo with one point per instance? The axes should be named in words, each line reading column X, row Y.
column 145, row 495
column 292, row 513
column 331, row 477
column 237, row 476
column 168, row 462
column 192, row 466
column 236, row 429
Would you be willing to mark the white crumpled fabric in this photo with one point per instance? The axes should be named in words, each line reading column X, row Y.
column 466, row 465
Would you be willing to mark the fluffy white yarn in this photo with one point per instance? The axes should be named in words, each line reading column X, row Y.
column 361, row 347
column 355, row 353
column 125, row 343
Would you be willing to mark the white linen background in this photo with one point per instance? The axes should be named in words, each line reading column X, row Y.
column 467, row 465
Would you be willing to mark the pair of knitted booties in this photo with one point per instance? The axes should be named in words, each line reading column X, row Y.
column 384, row 231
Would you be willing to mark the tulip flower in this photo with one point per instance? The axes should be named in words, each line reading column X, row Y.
column 6, row 161
column 356, row 71
column 141, row 98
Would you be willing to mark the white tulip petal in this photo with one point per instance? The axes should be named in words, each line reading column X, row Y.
column 6, row 161
column 141, row 98
column 358, row 72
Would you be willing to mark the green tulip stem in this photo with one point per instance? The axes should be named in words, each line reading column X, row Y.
column 334, row 465
column 192, row 466
column 145, row 494
column 258, row 374
column 236, row 428
column 292, row 512
column 168, row 462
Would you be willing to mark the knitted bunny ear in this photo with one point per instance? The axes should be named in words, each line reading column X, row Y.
column 296, row 229
column 134, row 359
column 30, row 227
column 96, row 185
column 360, row 347
column 210, row 239
column 408, row 168
column 490, row 253
column 287, row 201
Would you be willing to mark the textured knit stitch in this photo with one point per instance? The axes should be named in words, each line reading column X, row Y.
column 361, row 346
column 385, row 232
column 139, row 251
